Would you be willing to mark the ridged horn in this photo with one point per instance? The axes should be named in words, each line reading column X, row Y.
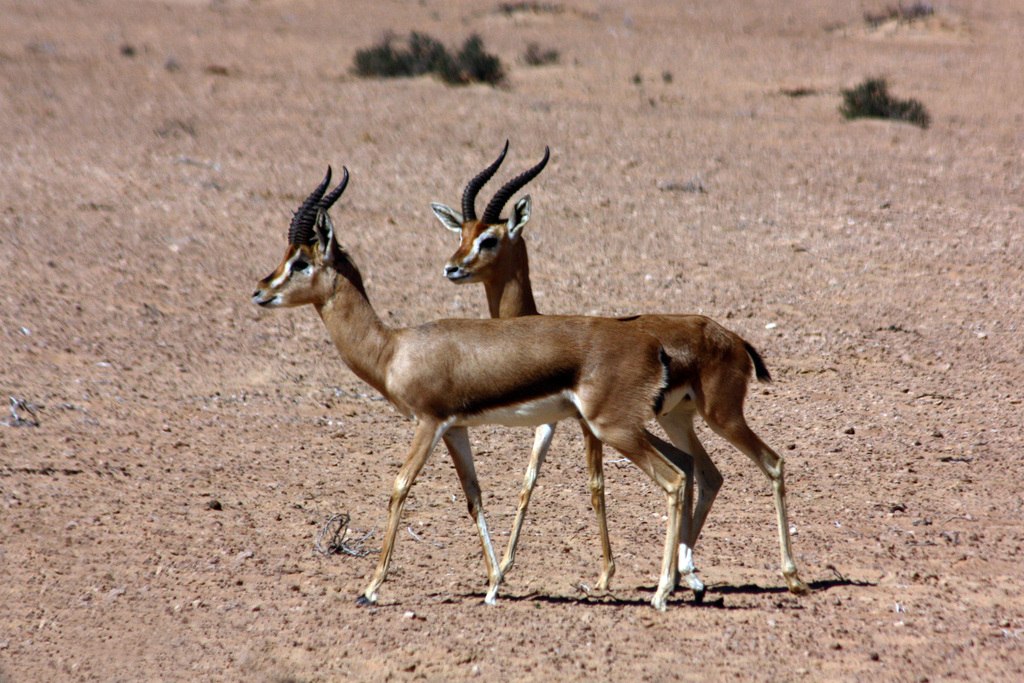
column 301, row 229
column 328, row 201
column 469, row 195
column 492, row 214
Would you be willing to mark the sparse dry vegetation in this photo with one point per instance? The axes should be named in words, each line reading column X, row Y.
column 422, row 54
column 535, row 55
column 511, row 8
column 871, row 99
column 898, row 12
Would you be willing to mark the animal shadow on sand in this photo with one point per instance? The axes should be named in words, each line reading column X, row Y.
column 715, row 597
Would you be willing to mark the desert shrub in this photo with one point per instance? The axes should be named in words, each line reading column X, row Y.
column 871, row 99
column 421, row 54
column 911, row 12
column 511, row 8
column 798, row 91
column 474, row 64
column 536, row 56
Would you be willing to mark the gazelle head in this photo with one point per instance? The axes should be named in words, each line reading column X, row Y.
column 314, row 257
column 485, row 241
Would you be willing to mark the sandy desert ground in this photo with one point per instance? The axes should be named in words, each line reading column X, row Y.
column 159, row 522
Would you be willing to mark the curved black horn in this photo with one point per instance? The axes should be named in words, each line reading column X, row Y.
column 301, row 229
column 328, row 201
column 469, row 195
column 492, row 214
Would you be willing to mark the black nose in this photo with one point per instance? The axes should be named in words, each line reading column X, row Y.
column 448, row 270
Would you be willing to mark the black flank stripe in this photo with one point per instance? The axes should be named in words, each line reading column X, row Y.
column 560, row 380
column 659, row 400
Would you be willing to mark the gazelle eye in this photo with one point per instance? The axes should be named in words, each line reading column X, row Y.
column 489, row 243
column 299, row 264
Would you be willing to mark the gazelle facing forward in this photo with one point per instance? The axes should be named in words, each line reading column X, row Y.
column 449, row 374
column 708, row 374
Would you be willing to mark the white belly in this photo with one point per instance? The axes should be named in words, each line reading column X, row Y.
column 546, row 410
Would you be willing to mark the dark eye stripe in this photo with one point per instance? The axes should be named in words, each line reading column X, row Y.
column 299, row 264
column 489, row 243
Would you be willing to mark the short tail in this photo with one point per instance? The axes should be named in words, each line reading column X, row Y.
column 760, row 369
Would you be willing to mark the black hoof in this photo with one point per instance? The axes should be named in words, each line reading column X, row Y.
column 363, row 601
column 698, row 596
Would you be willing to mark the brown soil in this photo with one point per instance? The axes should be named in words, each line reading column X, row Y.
column 152, row 155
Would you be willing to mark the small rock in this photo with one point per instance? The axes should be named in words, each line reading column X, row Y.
column 849, row 430
column 214, row 505
column 694, row 185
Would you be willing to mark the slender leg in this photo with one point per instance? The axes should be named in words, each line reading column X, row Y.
column 679, row 426
column 423, row 441
column 685, row 462
column 672, row 470
column 541, row 442
column 771, row 463
column 457, row 441
column 595, row 466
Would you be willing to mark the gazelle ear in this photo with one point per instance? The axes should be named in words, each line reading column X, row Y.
column 449, row 217
column 325, row 237
column 518, row 218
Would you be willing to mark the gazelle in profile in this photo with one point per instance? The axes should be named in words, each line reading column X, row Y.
column 450, row 374
column 709, row 370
